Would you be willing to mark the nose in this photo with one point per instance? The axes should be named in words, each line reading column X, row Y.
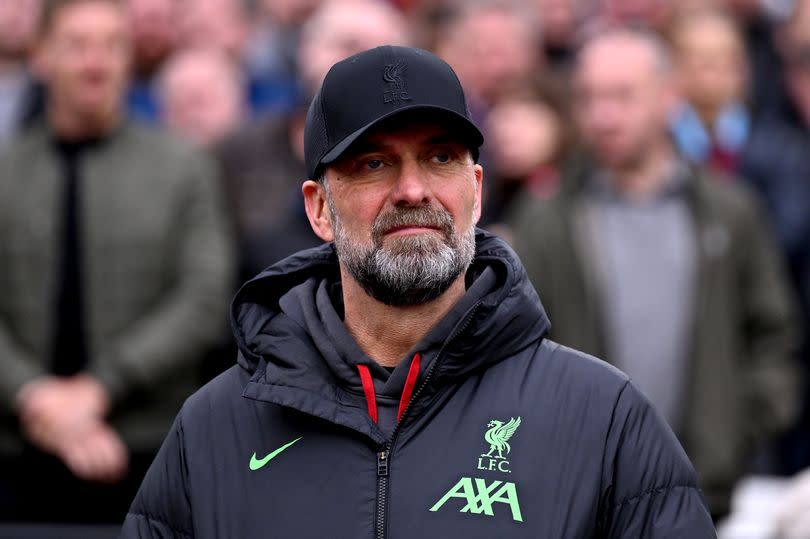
column 411, row 187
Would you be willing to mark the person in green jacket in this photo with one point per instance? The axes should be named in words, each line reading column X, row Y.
column 668, row 274
column 115, row 272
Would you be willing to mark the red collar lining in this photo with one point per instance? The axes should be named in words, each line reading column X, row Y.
column 407, row 391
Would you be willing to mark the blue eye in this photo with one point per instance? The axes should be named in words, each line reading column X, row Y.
column 374, row 164
column 442, row 157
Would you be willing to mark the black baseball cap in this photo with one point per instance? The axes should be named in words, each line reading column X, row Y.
column 367, row 88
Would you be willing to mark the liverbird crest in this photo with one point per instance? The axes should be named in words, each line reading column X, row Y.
column 498, row 436
column 393, row 75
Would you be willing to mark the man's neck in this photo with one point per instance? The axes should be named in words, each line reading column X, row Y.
column 645, row 178
column 387, row 333
column 70, row 126
column 708, row 113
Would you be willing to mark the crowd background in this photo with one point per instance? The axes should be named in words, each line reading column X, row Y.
column 233, row 79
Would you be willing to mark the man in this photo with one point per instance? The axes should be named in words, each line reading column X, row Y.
column 668, row 274
column 201, row 95
column 153, row 24
column 397, row 383
column 491, row 43
column 20, row 96
column 225, row 25
column 714, row 126
column 115, row 276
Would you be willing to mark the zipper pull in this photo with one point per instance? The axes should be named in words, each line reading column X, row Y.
column 382, row 463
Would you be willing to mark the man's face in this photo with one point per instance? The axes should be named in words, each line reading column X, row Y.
column 489, row 49
column 711, row 62
column 216, row 23
column 202, row 99
column 622, row 99
column 18, row 22
column 154, row 31
column 85, row 58
column 347, row 28
column 402, row 208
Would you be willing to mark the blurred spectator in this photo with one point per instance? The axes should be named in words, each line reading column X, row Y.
column 560, row 21
column 491, row 43
column 154, row 35
column 652, row 14
column 794, row 48
column 716, row 126
column 225, row 25
column 115, row 279
column 713, row 123
column 18, row 94
column 757, row 19
column 274, row 40
column 797, row 78
column 263, row 163
column 342, row 28
column 528, row 136
column 201, row 95
column 222, row 24
column 646, row 262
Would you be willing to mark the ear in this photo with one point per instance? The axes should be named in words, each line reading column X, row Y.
column 478, row 171
column 318, row 210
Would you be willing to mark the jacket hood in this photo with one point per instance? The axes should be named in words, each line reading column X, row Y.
column 288, row 325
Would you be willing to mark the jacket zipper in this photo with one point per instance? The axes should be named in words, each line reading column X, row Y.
column 385, row 452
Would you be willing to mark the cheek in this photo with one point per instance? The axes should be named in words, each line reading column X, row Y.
column 461, row 201
column 358, row 209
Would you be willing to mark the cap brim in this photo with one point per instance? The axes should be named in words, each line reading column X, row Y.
column 472, row 133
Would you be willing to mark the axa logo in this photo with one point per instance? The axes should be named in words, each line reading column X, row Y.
column 394, row 77
column 497, row 436
column 480, row 497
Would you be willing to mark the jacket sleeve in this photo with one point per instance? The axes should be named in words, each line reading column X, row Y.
column 16, row 363
column 650, row 488
column 162, row 507
column 18, row 368
column 769, row 322
column 193, row 314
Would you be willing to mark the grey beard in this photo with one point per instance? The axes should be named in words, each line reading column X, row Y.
column 415, row 269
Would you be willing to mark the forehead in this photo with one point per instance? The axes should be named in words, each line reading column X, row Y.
column 710, row 32
column 88, row 16
column 617, row 58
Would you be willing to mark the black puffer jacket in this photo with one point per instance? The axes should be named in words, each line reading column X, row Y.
column 507, row 434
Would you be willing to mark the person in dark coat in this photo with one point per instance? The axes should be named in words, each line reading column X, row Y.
column 397, row 381
column 664, row 271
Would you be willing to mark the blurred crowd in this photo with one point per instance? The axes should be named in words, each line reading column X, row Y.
column 648, row 159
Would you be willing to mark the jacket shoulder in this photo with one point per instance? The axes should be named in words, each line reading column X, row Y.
column 223, row 391
column 30, row 139
column 160, row 147
column 580, row 369
column 727, row 196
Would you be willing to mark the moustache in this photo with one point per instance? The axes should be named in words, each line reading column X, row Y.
column 419, row 216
